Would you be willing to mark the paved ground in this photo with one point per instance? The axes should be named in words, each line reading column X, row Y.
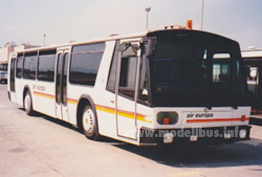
column 41, row 146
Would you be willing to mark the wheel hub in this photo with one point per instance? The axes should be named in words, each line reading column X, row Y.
column 88, row 121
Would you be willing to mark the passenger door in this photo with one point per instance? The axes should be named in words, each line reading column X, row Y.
column 62, row 60
column 11, row 82
column 126, row 91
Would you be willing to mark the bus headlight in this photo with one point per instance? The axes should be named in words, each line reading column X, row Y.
column 242, row 133
column 167, row 118
column 168, row 138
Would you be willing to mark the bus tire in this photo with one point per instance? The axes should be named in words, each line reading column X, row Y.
column 28, row 104
column 89, row 123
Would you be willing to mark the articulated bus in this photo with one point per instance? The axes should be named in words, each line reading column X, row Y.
column 3, row 72
column 157, row 87
column 253, row 61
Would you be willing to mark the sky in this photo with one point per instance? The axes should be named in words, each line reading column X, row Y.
column 26, row 21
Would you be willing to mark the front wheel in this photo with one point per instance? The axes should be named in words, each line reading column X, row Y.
column 28, row 104
column 89, row 123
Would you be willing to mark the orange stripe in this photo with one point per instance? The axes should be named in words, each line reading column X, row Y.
column 44, row 95
column 215, row 120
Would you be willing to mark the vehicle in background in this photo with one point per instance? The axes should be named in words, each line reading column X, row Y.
column 252, row 59
column 3, row 72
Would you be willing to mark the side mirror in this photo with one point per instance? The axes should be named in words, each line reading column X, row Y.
column 150, row 47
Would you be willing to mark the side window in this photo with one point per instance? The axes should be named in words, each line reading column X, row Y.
column 112, row 73
column 46, row 65
column 29, row 69
column 12, row 75
column 221, row 67
column 128, row 72
column 143, row 81
column 85, row 62
column 19, row 66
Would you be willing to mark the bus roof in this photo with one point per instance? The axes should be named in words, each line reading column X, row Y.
column 95, row 40
column 252, row 53
column 113, row 38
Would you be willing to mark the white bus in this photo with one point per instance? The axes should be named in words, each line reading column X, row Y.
column 157, row 87
column 3, row 72
column 252, row 58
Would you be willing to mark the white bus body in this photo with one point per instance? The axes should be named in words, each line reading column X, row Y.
column 132, row 88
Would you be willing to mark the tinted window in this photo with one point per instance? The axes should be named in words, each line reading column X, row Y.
column 58, row 78
column 64, row 79
column 143, row 93
column 12, row 75
column 85, row 62
column 128, row 72
column 19, row 66
column 46, row 66
column 221, row 67
column 190, row 68
column 29, row 66
column 112, row 74
column 128, row 76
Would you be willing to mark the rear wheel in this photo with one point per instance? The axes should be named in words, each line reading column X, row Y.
column 28, row 104
column 89, row 123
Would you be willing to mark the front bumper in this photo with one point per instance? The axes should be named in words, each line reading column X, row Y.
column 215, row 135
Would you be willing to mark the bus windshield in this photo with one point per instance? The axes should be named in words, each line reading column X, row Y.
column 196, row 69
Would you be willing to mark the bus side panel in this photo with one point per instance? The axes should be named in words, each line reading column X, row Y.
column 43, row 94
column 19, row 88
column 241, row 112
column 106, row 114
column 74, row 92
column 145, row 116
column 11, row 73
column 105, row 100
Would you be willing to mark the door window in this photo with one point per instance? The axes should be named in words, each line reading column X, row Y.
column 64, row 79
column 128, row 72
column 58, row 78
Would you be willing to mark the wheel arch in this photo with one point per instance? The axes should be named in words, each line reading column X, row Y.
column 83, row 101
column 27, row 88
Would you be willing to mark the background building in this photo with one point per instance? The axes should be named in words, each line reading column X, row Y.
column 10, row 47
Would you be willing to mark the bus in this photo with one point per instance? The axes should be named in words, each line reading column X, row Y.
column 252, row 59
column 153, row 88
column 3, row 72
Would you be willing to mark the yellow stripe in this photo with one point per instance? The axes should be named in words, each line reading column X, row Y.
column 105, row 109
column 72, row 101
column 122, row 113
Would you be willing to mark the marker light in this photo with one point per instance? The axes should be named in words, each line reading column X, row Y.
column 243, row 118
column 167, row 118
column 189, row 24
column 166, row 121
